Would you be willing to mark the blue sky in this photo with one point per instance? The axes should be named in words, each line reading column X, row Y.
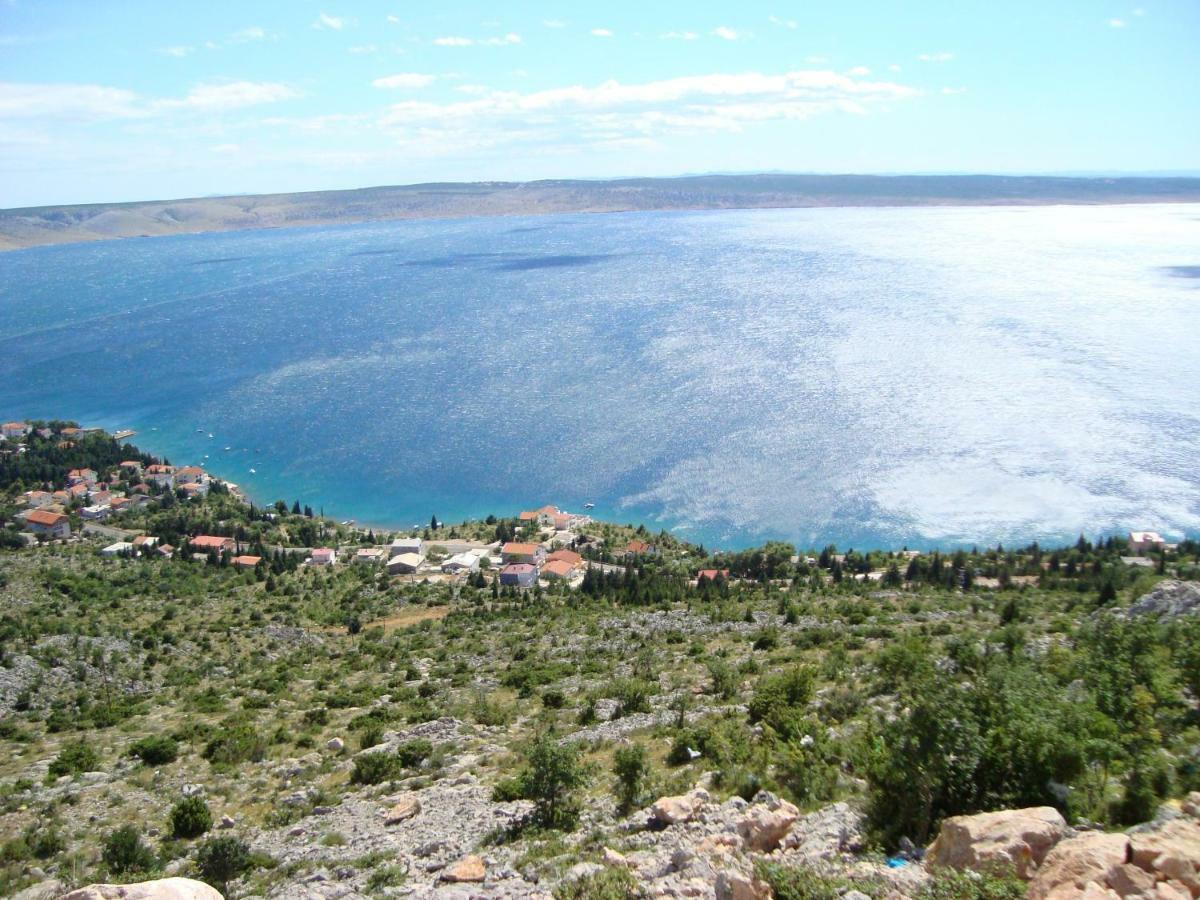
column 106, row 101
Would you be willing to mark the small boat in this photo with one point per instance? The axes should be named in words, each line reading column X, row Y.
column 589, row 505
column 210, row 434
column 254, row 471
column 200, row 431
column 227, row 449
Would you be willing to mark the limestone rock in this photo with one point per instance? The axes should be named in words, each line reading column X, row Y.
column 1169, row 600
column 337, row 745
column 162, row 889
column 404, row 810
column 767, row 823
column 226, row 822
column 468, row 870
column 736, row 886
column 1171, row 852
column 678, row 809
column 1015, row 840
column 612, row 858
column 43, row 890
column 1075, row 862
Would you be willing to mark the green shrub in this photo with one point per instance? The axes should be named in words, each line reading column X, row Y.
column 156, row 750
column 235, row 744
column 412, row 753
column 74, row 758
column 799, row 882
column 780, row 698
column 632, row 696
column 553, row 773
column 371, row 736
column 553, row 698
column 375, row 768
column 950, row 884
column 190, row 818
column 609, row 884
column 124, row 852
column 221, row 860
column 632, row 768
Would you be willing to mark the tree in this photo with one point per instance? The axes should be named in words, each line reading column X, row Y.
column 220, row 860
column 632, row 768
column 552, row 775
column 190, row 818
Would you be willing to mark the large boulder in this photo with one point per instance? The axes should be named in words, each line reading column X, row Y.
column 738, row 886
column 677, row 809
column 1169, row 600
column 162, row 889
column 1005, row 842
column 468, row 870
column 1075, row 863
column 767, row 823
column 402, row 811
column 1171, row 852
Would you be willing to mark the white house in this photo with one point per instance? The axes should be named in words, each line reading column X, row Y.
column 95, row 513
column 404, row 564
column 1142, row 541
column 14, row 429
column 120, row 548
column 372, row 556
column 323, row 556
column 407, row 545
column 461, row 562
column 37, row 499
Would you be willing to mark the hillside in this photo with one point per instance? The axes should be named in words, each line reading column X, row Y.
column 299, row 730
column 32, row 227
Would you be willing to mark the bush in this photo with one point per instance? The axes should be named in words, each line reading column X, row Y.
column 724, row 679
column 235, row 744
column 779, row 698
column 124, row 852
column 632, row 696
column 412, row 753
column 74, row 758
column 609, row 884
column 221, row 860
column 552, row 774
column 553, row 698
column 950, row 884
column 156, row 750
column 375, row 768
column 372, row 736
column 632, row 768
column 190, row 818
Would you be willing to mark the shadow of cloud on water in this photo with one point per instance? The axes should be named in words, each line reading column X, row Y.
column 1183, row 271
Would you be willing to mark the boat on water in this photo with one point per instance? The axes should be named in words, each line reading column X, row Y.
column 589, row 505
column 227, row 449
column 254, row 471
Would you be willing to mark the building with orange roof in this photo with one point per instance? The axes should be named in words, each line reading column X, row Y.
column 206, row 542
column 14, row 429
column 558, row 570
column 570, row 557
column 50, row 524
column 246, row 562
column 516, row 553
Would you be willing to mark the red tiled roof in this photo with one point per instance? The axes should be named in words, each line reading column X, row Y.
column 205, row 541
column 45, row 517
column 711, row 574
column 248, row 561
column 570, row 557
column 516, row 549
column 558, row 567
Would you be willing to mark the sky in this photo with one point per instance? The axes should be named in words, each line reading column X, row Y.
column 132, row 100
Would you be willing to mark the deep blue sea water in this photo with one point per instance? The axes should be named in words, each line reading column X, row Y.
column 869, row 377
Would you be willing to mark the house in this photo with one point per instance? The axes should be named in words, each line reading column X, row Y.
column 14, row 429
column 712, row 575
column 163, row 476
column 521, row 575
column 529, row 515
column 558, row 570
column 86, row 476
column 145, row 541
column 166, row 551
column 63, row 497
column 95, row 513
column 100, row 498
column 205, row 543
column 189, row 475
column 193, row 489
column 140, row 488
column 405, row 564
column 639, row 548
column 531, row 554
column 79, row 491
column 131, row 466
column 546, row 515
column 120, row 504
column 370, row 555
column 406, row 545
column 120, row 548
column 570, row 557
column 70, row 431
column 323, row 556
column 562, row 521
column 37, row 499
column 50, row 524
column 461, row 562
column 246, row 562
column 1143, row 541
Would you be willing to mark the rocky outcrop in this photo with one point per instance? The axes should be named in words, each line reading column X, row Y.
column 402, row 811
column 1009, row 841
column 468, row 870
column 1077, row 862
column 163, row 889
column 767, row 823
column 1169, row 600
column 668, row 811
column 1171, row 851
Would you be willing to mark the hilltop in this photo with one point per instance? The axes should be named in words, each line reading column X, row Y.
column 287, row 722
column 31, row 227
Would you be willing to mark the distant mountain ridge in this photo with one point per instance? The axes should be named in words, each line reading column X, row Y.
column 35, row 226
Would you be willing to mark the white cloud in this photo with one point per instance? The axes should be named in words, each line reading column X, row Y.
column 453, row 41
column 226, row 148
column 725, row 33
column 243, row 35
column 554, row 23
column 954, row 90
column 475, row 90
column 940, row 57
column 363, row 49
column 1116, row 23
column 783, row 23
column 816, row 60
column 324, row 20
column 894, row 68
column 1139, row 12
column 72, row 102
column 395, row 20
column 859, row 71
column 404, row 80
column 231, row 95
column 178, row 51
column 601, row 33
column 509, row 38
column 680, row 36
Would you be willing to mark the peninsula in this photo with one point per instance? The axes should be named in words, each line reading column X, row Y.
column 35, row 226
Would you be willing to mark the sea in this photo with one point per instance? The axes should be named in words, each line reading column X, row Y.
column 904, row 377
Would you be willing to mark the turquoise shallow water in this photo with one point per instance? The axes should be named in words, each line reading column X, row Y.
column 858, row 376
